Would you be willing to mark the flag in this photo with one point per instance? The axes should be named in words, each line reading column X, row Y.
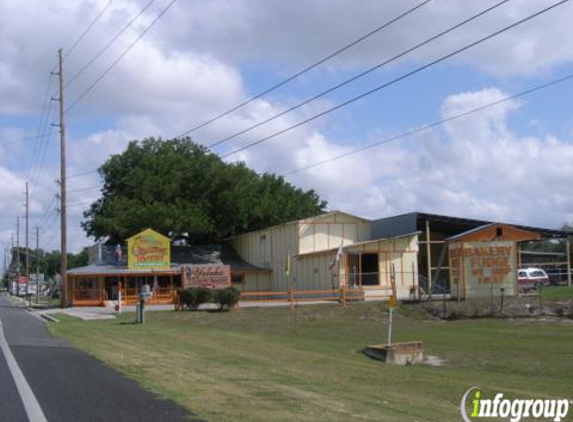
column 336, row 257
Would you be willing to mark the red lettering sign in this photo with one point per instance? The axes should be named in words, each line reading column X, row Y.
column 209, row 276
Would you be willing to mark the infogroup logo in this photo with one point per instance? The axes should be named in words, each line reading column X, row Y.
column 513, row 410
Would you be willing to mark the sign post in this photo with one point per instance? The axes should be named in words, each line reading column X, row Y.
column 392, row 301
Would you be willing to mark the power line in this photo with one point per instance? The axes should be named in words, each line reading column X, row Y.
column 432, row 125
column 42, row 150
column 85, row 189
column 28, row 138
column 46, row 105
column 380, row 87
column 83, row 94
column 41, row 221
column 90, row 26
column 360, row 75
column 82, row 173
column 305, row 70
column 109, row 43
column 81, row 203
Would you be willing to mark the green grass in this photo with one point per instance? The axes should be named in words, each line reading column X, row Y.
column 251, row 365
column 558, row 292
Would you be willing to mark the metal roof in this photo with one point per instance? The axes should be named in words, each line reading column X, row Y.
column 180, row 255
column 449, row 226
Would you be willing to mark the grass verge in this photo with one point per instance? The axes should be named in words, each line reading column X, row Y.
column 264, row 364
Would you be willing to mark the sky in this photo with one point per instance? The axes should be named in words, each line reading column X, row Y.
column 512, row 162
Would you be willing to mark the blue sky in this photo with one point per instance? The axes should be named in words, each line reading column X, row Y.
column 509, row 163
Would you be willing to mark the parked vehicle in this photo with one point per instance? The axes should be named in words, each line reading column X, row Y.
column 532, row 279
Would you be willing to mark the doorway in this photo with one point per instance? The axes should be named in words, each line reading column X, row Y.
column 369, row 269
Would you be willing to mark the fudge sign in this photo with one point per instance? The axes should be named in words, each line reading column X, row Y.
column 207, row 276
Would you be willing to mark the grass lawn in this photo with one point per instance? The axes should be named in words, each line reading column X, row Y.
column 251, row 365
column 557, row 292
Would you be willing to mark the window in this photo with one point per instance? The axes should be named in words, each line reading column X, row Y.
column 237, row 278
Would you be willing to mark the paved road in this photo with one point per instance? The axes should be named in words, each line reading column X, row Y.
column 66, row 384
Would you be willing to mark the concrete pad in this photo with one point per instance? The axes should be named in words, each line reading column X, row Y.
column 406, row 353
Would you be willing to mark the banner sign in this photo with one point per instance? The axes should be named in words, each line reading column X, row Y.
column 208, row 276
column 148, row 250
column 483, row 266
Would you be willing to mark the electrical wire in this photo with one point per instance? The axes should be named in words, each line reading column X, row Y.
column 413, row 72
column 360, row 75
column 432, row 125
column 90, row 26
column 83, row 173
column 98, row 80
column 46, row 106
column 85, row 189
column 109, row 44
column 305, row 70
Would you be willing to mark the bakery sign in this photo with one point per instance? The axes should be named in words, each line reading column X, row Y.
column 208, row 276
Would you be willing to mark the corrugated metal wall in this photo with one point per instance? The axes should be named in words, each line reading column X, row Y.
column 270, row 248
column 312, row 272
column 329, row 231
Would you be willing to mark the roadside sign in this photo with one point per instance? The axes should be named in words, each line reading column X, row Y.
column 208, row 276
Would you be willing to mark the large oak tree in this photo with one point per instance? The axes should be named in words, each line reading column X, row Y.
column 181, row 189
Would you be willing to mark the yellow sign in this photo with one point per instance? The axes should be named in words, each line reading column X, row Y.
column 147, row 250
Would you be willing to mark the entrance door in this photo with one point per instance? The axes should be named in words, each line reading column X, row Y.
column 369, row 267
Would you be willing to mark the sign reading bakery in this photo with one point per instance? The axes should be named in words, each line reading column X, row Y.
column 207, row 276
column 147, row 250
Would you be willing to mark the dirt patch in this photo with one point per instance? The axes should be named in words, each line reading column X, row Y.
column 513, row 307
column 433, row 361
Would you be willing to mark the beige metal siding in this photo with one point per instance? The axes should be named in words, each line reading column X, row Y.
column 269, row 249
column 330, row 231
column 254, row 281
column 400, row 253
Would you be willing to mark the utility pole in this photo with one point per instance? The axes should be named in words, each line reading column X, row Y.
column 37, row 265
column 27, row 249
column 63, row 222
column 12, row 263
column 18, row 256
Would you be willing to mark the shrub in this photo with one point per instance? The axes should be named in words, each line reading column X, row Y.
column 193, row 297
column 226, row 298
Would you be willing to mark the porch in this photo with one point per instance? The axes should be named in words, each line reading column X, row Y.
column 96, row 289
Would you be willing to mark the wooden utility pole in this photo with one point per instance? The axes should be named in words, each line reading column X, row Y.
column 429, row 258
column 37, row 265
column 63, row 219
column 12, row 262
column 18, row 256
column 568, row 251
column 27, row 269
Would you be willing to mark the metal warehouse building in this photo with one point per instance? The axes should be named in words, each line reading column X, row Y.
column 311, row 245
column 415, row 246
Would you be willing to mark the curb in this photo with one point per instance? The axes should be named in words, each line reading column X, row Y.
column 49, row 318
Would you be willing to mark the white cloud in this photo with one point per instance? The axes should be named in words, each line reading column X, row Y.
column 192, row 66
column 475, row 167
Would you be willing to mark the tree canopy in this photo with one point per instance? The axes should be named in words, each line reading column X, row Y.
column 182, row 190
